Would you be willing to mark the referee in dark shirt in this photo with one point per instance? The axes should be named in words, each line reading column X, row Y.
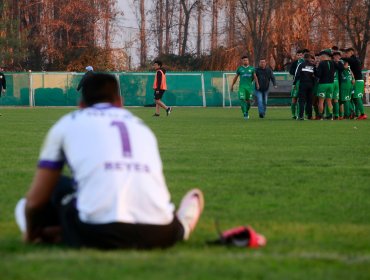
column 305, row 73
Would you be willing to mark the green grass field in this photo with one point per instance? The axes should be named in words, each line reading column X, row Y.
column 304, row 185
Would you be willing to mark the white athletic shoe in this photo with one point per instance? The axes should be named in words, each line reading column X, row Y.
column 20, row 215
column 191, row 207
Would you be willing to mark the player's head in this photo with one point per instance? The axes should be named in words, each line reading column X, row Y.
column 263, row 63
column 99, row 88
column 350, row 52
column 157, row 64
column 307, row 57
column 345, row 65
column 245, row 60
column 336, row 56
column 334, row 48
column 299, row 54
column 324, row 55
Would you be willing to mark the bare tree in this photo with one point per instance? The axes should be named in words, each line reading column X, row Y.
column 199, row 27
column 187, row 8
column 142, row 26
column 354, row 17
column 214, row 29
column 257, row 15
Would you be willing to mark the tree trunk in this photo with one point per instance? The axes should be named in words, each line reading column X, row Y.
column 143, row 47
column 214, row 29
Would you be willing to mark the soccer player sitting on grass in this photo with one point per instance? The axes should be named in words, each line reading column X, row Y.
column 247, row 75
column 118, row 196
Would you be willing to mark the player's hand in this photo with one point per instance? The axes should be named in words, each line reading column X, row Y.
column 157, row 91
column 275, row 86
column 353, row 82
column 257, row 87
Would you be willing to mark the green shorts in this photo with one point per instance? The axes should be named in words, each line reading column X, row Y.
column 325, row 91
column 294, row 91
column 245, row 93
column 359, row 89
column 336, row 90
column 345, row 92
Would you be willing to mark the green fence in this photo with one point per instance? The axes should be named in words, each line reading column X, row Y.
column 206, row 89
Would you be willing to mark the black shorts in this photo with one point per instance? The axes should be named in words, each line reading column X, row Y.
column 158, row 94
column 117, row 235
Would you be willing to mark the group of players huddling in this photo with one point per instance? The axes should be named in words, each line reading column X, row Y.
column 330, row 84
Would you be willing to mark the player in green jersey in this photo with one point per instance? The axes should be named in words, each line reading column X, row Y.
column 294, row 92
column 247, row 75
column 338, row 69
column 347, row 81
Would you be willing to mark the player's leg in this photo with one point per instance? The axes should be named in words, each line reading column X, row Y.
column 301, row 100
column 243, row 105
column 309, row 98
column 294, row 104
column 248, row 99
column 358, row 94
column 259, row 95
column 335, row 100
column 265, row 99
column 47, row 220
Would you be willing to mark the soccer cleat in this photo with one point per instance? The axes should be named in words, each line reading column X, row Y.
column 262, row 116
column 340, row 118
column 300, row 119
column 362, row 117
column 169, row 110
column 294, row 117
column 191, row 207
column 246, row 116
column 156, row 115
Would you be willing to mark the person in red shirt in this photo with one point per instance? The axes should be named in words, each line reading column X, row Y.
column 160, row 86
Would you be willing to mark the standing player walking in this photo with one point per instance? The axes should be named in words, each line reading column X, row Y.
column 264, row 75
column 160, row 86
column 247, row 75
column 118, row 196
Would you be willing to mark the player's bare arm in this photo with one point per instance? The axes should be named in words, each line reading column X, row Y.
column 234, row 81
column 37, row 197
column 256, row 80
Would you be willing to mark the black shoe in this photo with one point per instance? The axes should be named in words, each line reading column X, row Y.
column 262, row 116
column 169, row 110
column 156, row 115
column 294, row 117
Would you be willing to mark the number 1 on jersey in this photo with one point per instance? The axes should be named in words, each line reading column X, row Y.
column 126, row 145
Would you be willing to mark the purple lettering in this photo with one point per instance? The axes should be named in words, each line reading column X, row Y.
column 123, row 132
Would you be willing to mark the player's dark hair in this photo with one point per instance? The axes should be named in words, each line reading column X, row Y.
column 307, row 56
column 350, row 50
column 335, row 48
column 336, row 53
column 245, row 56
column 158, row 62
column 99, row 87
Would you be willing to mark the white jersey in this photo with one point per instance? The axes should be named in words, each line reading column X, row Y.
column 116, row 164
